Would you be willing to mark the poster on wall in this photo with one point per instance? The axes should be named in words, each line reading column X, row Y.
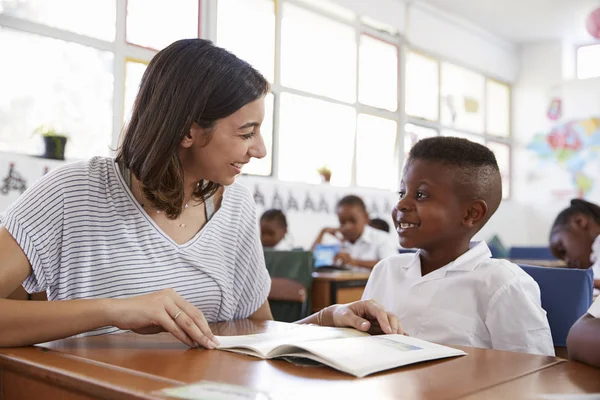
column 570, row 149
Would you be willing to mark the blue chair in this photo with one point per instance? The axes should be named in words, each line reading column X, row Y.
column 530, row 253
column 566, row 295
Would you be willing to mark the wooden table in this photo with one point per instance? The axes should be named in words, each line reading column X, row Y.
column 337, row 287
column 130, row 366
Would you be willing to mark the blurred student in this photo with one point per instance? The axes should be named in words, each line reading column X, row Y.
column 575, row 237
column 583, row 342
column 361, row 245
column 273, row 230
column 380, row 224
column 447, row 292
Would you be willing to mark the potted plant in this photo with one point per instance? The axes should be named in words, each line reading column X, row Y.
column 325, row 173
column 54, row 142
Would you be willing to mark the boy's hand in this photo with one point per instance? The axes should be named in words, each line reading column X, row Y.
column 331, row 231
column 364, row 315
column 163, row 311
column 343, row 258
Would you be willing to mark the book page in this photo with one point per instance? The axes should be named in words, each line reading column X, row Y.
column 263, row 345
column 361, row 356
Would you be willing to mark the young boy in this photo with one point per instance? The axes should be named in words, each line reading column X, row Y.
column 446, row 292
column 583, row 342
column 273, row 230
column 361, row 245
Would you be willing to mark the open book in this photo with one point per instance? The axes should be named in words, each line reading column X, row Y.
column 348, row 350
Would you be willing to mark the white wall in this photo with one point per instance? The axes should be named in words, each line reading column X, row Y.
column 544, row 188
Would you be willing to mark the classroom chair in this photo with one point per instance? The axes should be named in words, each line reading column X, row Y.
column 295, row 266
column 290, row 291
column 530, row 253
column 566, row 295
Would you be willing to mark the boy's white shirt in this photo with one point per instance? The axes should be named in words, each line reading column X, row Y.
column 474, row 301
column 373, row 244
column 594, row 310
column 595, row 257
column 284, row 245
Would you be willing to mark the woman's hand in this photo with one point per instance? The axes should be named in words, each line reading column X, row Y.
column 163, row 311
column 364, row 315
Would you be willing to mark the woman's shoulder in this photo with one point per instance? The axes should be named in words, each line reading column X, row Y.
column 99, row 167
column 238, row 194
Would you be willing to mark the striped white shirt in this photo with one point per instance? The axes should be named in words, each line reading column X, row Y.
column 87, row 237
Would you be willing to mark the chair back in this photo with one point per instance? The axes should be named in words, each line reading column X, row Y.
column 530, row 253
column 566, row 295
column 296, row 266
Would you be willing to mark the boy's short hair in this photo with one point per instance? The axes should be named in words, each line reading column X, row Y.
column 578, row 206
column 477, row 175
column 275, row 215
column 380, row 224
column 352, row 200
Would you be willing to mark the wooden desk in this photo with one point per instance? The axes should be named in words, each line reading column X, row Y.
column 337, row 287
column 130, row 366
column 561, row 379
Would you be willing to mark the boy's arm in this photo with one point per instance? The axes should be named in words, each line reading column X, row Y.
column 583, row 342
column 597, row 283
column 516, row 320
column 319, row 239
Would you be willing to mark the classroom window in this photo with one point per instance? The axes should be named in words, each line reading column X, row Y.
column 263, row 166
column 319, row 60
column 255, row 42
column 375, row 152
column 422, row 86
column 155, row 24
column 378, row 73
column 315, row 133
column 95, row 18
column 588, row 61
column 71, row 91
column 497, row 108
column 414, row 133
column 134, row 70
column 502, row 153
column 462, row 101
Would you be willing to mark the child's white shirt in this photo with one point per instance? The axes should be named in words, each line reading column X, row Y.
column 474, row 301
column 372, row 244
column 594, row 310
column 595, row 257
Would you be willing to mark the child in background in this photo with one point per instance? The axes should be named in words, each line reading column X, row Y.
column 273, row 230
column 583, row 342
column 361, row 245
column 446, row 292
column 575, row 237
column 380, row 224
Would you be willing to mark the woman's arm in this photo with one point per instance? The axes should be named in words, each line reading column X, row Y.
column 29, row 322
column 583, row 342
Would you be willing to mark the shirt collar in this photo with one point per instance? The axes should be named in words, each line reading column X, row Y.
column 366, row 236
column 466, row 262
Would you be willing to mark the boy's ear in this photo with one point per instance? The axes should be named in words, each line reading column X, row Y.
column 580, row 221
column 476, row 212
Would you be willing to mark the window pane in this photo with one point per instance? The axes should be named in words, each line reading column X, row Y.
column 94, row 18
column 375, row 152
column 498, row 109
column 158, row 23
column 263, row 166
column 255, row 44
column 321, row 59
column 588, row 61
column 414, row 133
column 472, row 138
column 133, row 76
column 332, row 8
column 378, row 80
column 71, row 91
column 502, row 153
column 422, row 86
column 314, row 133
column 462, row 98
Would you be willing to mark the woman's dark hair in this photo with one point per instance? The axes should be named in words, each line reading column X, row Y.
column 577, row 206
column 192, row 80
column 275, row 215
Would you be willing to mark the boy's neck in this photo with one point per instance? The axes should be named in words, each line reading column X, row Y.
column 435, row 259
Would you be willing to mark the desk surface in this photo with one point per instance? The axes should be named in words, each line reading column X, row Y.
column 135, row 366
column 341, row 276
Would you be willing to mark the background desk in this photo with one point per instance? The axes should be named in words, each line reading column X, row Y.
column 130, row 366
column 337, row 287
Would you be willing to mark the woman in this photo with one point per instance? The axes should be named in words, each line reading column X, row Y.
column 160, row 238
